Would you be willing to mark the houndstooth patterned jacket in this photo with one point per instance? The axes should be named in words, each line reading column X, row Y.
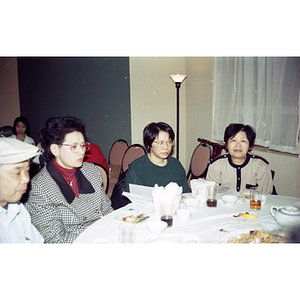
column 57, row 214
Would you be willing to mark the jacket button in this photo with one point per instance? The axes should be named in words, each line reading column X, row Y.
column 97, row 211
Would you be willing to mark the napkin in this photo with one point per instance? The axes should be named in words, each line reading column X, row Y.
column 201, row 187
column 170, row 193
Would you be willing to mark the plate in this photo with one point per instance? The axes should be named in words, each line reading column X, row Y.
column 279, row 235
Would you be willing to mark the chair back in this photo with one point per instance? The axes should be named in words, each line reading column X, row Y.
column 199, row 161
column 6, row 131
column 133, row 152
column 117, row 151
column 104, row 175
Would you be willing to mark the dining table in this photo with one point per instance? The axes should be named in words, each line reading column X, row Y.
column 206, row 224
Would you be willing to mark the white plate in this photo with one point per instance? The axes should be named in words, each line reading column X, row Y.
column 229, row 235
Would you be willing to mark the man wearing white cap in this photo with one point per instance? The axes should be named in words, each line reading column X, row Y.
column 15, row 222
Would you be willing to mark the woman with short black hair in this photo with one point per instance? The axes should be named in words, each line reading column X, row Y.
column 157, row 166
column 242, row 169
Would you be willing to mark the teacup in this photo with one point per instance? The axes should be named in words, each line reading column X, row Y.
column 191, row 203
column 229, row 199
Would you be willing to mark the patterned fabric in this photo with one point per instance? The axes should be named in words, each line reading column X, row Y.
column 255, row 171
column 55, row 211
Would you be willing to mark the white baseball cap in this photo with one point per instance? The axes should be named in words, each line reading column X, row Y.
column 14, row 151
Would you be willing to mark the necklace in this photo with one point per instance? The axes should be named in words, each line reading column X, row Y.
column 71, row 182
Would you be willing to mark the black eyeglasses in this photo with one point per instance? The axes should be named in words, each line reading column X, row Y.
column 74, row 147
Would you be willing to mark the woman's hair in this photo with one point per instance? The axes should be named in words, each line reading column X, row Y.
column 152, row 130
column 233, row 128
column 23, row 120
column 55, row 130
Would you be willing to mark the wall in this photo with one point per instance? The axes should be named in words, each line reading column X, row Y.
column 153, row 96
column 94, row 89
column 9, row 92
column 152, row 99
column 199, row 102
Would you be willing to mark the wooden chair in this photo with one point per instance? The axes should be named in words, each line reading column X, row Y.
column 115, row 157
column 117, row 151
column 133, row 152
column 199, row 162
column 216, row 148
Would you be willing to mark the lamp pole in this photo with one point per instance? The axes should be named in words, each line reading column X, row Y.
column 178, row 79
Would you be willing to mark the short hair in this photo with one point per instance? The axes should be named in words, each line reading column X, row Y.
column 151, row 131
column 233, row 128
column 23, row 120
column 55, row 130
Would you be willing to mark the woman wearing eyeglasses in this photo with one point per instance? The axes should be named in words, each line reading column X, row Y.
column 66, row 196
column 157, row 166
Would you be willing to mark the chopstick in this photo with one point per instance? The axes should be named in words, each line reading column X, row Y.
column 243, row 198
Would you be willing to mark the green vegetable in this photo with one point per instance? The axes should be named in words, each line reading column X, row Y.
column 142, row 219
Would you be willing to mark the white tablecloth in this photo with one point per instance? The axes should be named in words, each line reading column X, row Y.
column 205, row 222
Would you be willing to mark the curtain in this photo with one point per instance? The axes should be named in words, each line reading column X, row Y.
column 262, row 92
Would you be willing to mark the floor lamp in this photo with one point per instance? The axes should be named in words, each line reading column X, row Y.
column 178, row 79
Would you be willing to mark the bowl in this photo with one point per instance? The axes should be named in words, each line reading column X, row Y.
column 156, row 227
column 183, row 214
column 191, row 203
column 229, row 199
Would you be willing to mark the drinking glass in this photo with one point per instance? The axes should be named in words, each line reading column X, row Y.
column 255, row 198
column 126, row 233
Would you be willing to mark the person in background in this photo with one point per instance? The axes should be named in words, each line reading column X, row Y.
column 157, row 166
column 66, row 196
column 95, row 155
column 15, row 222
column 21, row 130
column 242, row 169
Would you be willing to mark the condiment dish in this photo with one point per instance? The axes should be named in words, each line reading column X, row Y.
column 191, row 203
column 229, row 199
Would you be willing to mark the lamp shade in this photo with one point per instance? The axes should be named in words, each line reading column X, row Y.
column 178, row 78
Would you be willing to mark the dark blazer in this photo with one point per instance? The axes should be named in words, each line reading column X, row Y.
column 55, row 211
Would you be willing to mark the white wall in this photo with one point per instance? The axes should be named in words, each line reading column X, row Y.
column 153, row 98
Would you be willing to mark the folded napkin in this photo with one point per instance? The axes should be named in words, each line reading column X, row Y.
column 202, row 187
column 170, row 193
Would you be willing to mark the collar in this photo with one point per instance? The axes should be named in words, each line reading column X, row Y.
column 238, row 166
column 84, row 185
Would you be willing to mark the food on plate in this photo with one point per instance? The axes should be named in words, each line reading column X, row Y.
column 249, row 216
column 245, row 215
column 257, row 236
column 135, row 219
